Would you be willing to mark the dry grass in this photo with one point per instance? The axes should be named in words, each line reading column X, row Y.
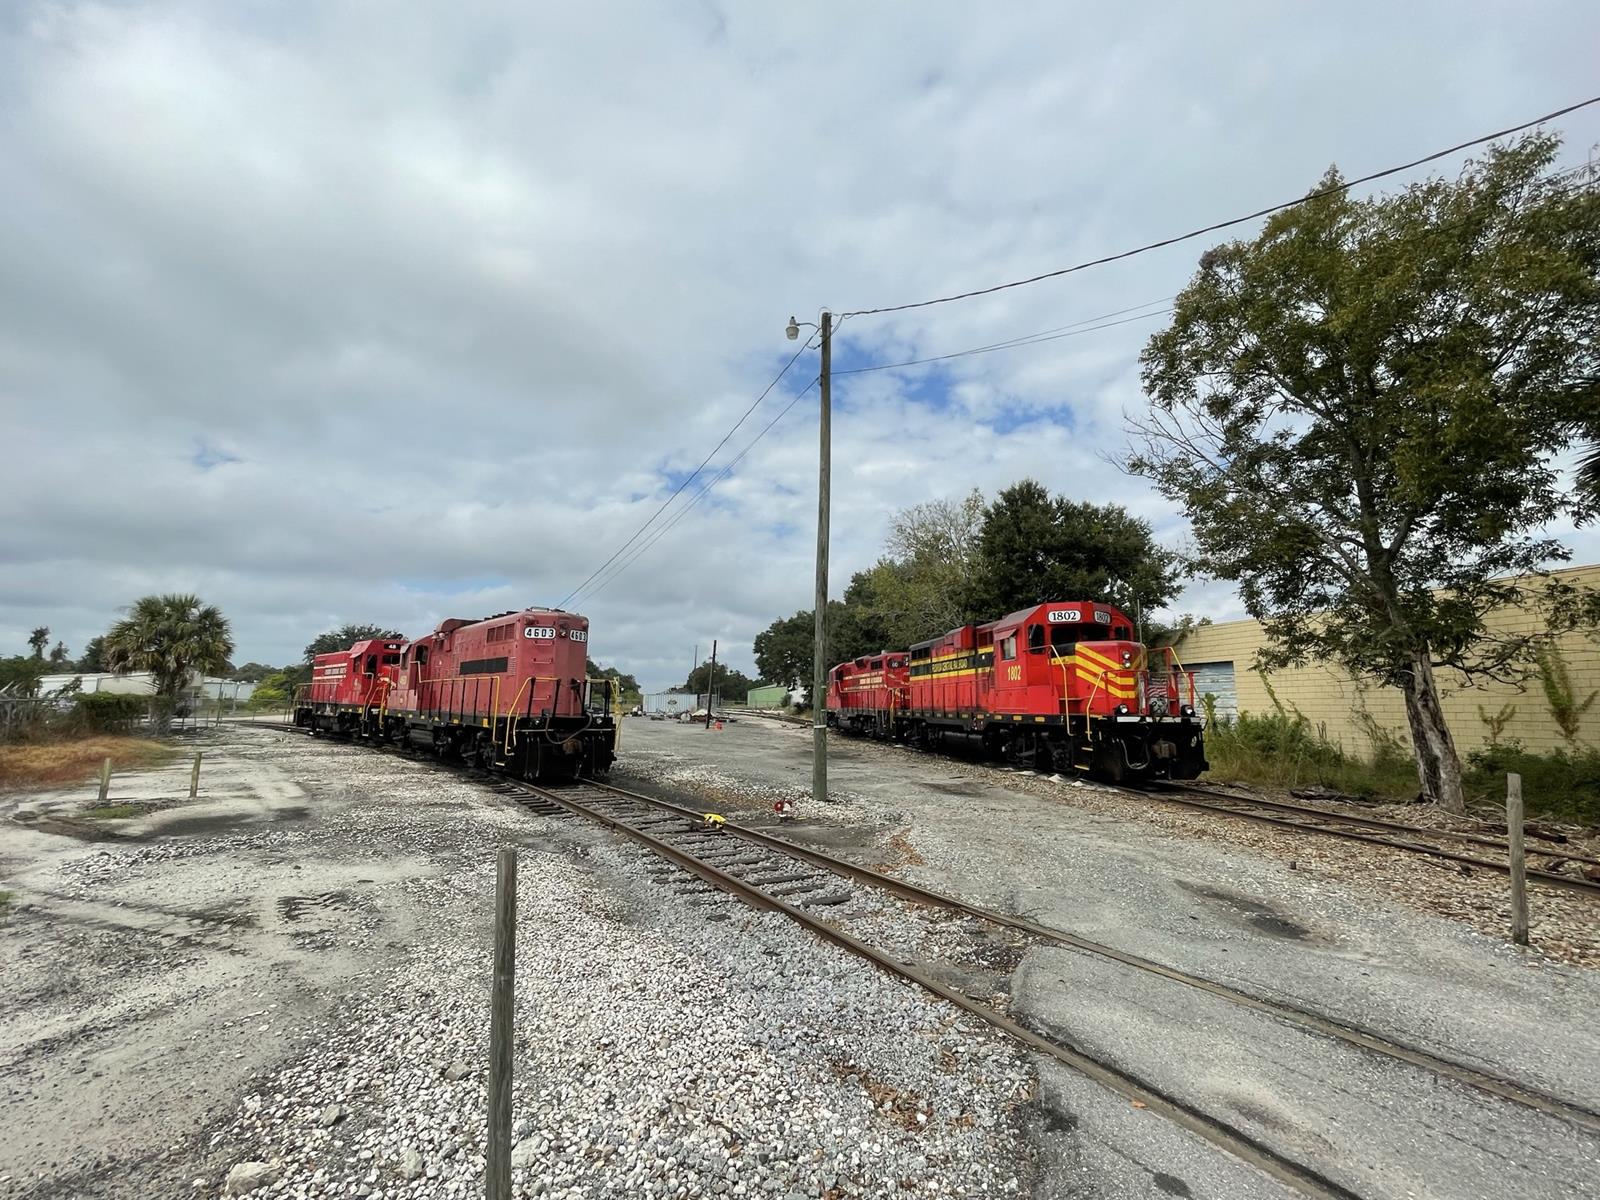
column 53, row 764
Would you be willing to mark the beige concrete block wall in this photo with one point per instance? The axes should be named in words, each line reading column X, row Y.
column 1332, row 699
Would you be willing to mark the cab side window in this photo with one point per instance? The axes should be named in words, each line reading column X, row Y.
column 1008, row 647
column 422, row 656
column 1035, row 638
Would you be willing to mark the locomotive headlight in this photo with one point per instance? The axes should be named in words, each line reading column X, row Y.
column 1187, row 710
column 1122, row 710
column 1127, row 658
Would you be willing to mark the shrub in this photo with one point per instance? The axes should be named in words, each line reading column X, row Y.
column 104, row 712
column 1563, row 784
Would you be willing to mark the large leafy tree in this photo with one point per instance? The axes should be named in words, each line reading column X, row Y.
column 346, row 636
column 1036, row 547
column 93, row 660
column 172, row 637
column 925, row 581
column 39, row 639
column 1359, row 410
column 784, row 650
column 731, row 684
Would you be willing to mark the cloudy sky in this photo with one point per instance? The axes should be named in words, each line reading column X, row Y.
column 392, row 312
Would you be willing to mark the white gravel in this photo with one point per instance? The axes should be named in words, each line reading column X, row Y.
column 670, row 1042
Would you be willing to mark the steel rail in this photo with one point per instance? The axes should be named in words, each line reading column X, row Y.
column 1455, row 835
column 1235, row 1142
column 1549, row 878
column 1313, row 1022
column 1458, row 1072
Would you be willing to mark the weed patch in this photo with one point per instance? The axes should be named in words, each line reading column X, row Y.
column 113, row 812
column 56, row 763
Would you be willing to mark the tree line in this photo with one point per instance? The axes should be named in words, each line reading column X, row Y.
column 950, row 561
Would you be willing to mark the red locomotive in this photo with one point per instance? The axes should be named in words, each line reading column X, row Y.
column 868, row 695
column 508, row 692
column 1057, row 687
column 348, row 686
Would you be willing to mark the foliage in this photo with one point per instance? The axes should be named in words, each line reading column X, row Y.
column 20, row 674
column 1564, row 784
column 105, row 712
column 252, row 672
column 59, row 658
column 628, row 689
column 272, row 691
column 731, row 685
column 1036, row 547
column 1496, row 724
column 1565, row 707
column 39, row 639
column 346, row 636
column 172, row 637
column 927, row 577
column 93, row 660
column 1355, row 410
column 783, row 650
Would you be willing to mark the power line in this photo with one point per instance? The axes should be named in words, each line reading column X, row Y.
column 690, row 478
column 1263, row 212
column 1028, row 339
column 661, row 532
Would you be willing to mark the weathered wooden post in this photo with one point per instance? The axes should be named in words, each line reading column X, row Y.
column 498, row 1164
column 105, row 780
column 1519, row 865
column 194, row 777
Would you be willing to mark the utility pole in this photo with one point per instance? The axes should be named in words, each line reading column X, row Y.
column 711, row 685
column 819, row 666
column 693, row 663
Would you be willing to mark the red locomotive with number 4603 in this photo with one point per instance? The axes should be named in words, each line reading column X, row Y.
column 509, row 692
column 1059, row 687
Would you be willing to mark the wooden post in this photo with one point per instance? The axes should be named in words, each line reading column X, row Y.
column 105, row 780
column 194, row 777
column 1519, row 865
column 498, row 1163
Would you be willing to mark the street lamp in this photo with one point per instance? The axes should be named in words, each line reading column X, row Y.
column 819, row 665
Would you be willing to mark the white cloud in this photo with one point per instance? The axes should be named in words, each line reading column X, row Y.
column 455, row 283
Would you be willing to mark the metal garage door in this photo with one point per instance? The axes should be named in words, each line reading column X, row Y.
column 1217, row 678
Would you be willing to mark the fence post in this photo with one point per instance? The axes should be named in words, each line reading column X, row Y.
column 105, row 780
column 498, row 1165
column 1519, row 865
column 194, row 777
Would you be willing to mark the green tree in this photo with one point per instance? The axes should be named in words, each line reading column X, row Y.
column 628, row 689
column 731, row 684
column 926, row 581
column 1035, row 547
column 20, row 674
column 93, row 660
column 346, row 636
column 272, row 691
column 783, row 651
column 172, row 637
column 39, row 639
column 253, row 672
column 59, row 657
column 1355, row 410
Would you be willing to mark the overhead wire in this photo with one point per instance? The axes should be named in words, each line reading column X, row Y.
column 688, row 479
column 1028, row 339
column 684, row 511
column 1232, row 221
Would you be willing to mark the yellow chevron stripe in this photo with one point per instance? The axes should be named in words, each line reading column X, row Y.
column 1100, row 659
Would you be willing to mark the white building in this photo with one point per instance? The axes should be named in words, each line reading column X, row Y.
column 142, row 683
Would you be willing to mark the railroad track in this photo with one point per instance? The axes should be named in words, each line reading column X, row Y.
column 1374, row 831
column 824, row 894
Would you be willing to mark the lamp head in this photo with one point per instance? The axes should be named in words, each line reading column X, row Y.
column 792, row 330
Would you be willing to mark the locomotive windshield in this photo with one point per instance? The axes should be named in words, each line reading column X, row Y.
column 1064, row 637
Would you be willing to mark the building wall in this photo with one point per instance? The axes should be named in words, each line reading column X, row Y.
column 1331, row 698
column 775, row 696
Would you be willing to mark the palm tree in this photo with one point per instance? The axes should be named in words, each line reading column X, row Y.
column 171, row 637
column 1589, row 473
